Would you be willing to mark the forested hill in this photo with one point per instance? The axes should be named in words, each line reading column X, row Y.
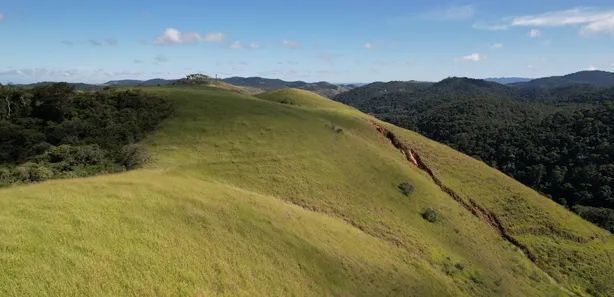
column 594, row 78
column 559, row 141
column 367, row 92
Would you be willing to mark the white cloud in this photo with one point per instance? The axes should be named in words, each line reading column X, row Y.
column 253, row 45
column 291, row 44
column 368, row 45
column 174, row 36
column 38, row 72
column 594, row 21
column 215, row 37
column 534, row 33
column 450, row 13
column 591, row 68
column 29, row 75
column 236, row 45
column 475, row 57
column 603, row 26
column 1, row 17
column 497, row 45
column 481, row 26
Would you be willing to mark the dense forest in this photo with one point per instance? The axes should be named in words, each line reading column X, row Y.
column 559, row 141
column 53, row 131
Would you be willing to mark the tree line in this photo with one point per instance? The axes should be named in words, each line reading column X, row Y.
column 558, row 141
column 53, row 131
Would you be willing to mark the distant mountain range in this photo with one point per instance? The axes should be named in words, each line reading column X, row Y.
column 594, row 78
column 598, row 79
column 135, row 82
column 507, row 80
column 265, row 84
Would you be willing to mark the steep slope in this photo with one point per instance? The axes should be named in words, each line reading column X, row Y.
column 252, row 197
column 556, row 140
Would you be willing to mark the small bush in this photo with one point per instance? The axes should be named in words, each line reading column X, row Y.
column 334, row 128
column 133, row 155
column 431, row 215
column 39, row 173
column 406, row 188
column 476, row 278
column 21, row 173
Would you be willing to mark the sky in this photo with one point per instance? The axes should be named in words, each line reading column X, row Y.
column 334, row 40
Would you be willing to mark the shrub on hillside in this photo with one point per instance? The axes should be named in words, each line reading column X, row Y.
column 431, row 215
column 133, row 155
column 38, row 172
column 195, row 79
column 406, row 188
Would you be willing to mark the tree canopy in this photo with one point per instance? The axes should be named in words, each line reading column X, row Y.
column 53, row 131
column 559, row 141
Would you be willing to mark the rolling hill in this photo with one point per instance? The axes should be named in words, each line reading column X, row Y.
column 322, row 88
column 290, row 193
column 253, row 83
column 555, row 140
column 594, row 78
column 508, row 80
column 136, row 82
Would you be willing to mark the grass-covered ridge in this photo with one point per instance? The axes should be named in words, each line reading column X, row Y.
column 246, row 196
column 300, row 98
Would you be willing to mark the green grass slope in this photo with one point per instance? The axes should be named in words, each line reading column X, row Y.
column 300, row 97
column 250, row 197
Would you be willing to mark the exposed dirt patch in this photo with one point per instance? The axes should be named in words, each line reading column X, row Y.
column 468, row 203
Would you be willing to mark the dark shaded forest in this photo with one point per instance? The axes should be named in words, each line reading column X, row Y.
column 558, row 141
column 53, row 131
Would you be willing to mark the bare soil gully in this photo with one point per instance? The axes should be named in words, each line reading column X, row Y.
column 490, row 218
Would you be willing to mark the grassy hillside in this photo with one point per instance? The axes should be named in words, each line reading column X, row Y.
column 246, row 196
column 322, row 88
column 556, row 141
column 300, row 98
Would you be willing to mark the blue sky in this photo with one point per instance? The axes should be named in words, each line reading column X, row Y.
column 337, row 41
